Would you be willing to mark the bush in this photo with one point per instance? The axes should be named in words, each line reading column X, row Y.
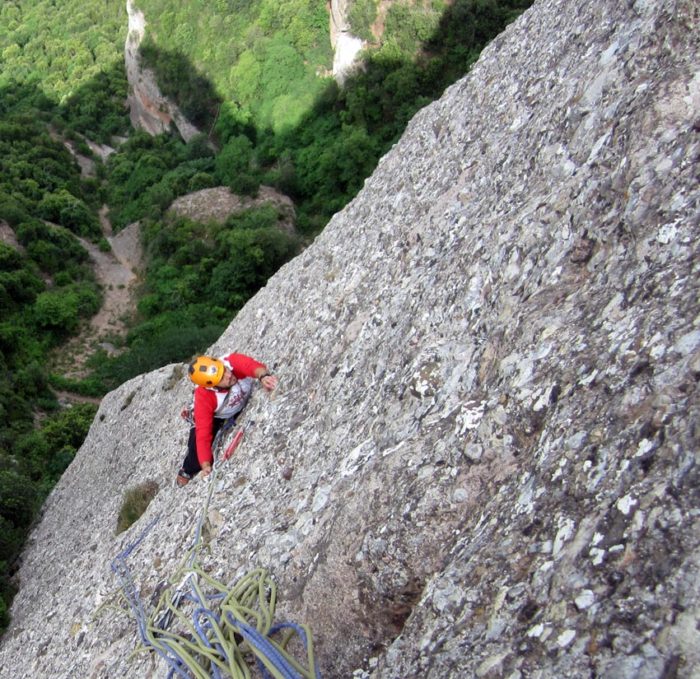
column 135, row 503
column 70, row 426
column 31, row 449
column 85, row 387
column 18, row 498
column 201, row 180
column 19, row 283
column 4, row 615
column 53, row 249
column 234, row 159
column 10, row 542
column 12, row 211
column 198, row 147
column 32, row 376
column 59, row 311
column 362, row 15
column 65, row 209
column 244, row 185
column 55, row 466
column 45, row 454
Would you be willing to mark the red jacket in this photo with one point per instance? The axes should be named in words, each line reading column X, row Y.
column 210, row 402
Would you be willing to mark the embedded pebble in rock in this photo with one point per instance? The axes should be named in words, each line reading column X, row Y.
column 584, row 600
column 489, row 370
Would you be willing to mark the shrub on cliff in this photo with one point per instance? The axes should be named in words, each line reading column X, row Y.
column 135, row 502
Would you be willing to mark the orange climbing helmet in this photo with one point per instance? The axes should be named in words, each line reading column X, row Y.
column 207, row 371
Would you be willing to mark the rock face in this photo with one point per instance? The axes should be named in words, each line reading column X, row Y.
column 346, row 46
column 482, row 458
column 149, row 110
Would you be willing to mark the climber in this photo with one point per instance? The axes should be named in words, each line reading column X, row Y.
column 223, row 388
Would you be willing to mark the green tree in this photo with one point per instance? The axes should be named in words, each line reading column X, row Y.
column 32, row 450
column 246, row 77
column 362, row 15
column 234, row 159
column 10, row 545
column 59, row 311
column 65, row 209
column 18, row 498
column 70, row 426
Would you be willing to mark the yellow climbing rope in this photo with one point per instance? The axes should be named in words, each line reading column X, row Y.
column 205, row 629
column 219, row 629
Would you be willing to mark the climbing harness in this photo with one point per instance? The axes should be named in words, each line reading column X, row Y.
column 207, row 630
column 187, row 414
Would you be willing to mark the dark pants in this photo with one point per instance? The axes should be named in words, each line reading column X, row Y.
column 191, row 464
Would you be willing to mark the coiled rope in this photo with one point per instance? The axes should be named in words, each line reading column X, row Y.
column 225, row 627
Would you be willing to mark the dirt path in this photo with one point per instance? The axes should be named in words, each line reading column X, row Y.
column 117, row 273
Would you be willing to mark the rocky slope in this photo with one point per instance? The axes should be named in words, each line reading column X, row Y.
column 117, row 272
column 482, row 459
column 217, row 204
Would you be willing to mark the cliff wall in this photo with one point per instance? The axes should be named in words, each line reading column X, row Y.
column 482, row 458
column 149, row 110
column 345, row 45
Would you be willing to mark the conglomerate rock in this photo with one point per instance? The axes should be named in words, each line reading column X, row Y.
column 218, row 203
column 482, row 458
